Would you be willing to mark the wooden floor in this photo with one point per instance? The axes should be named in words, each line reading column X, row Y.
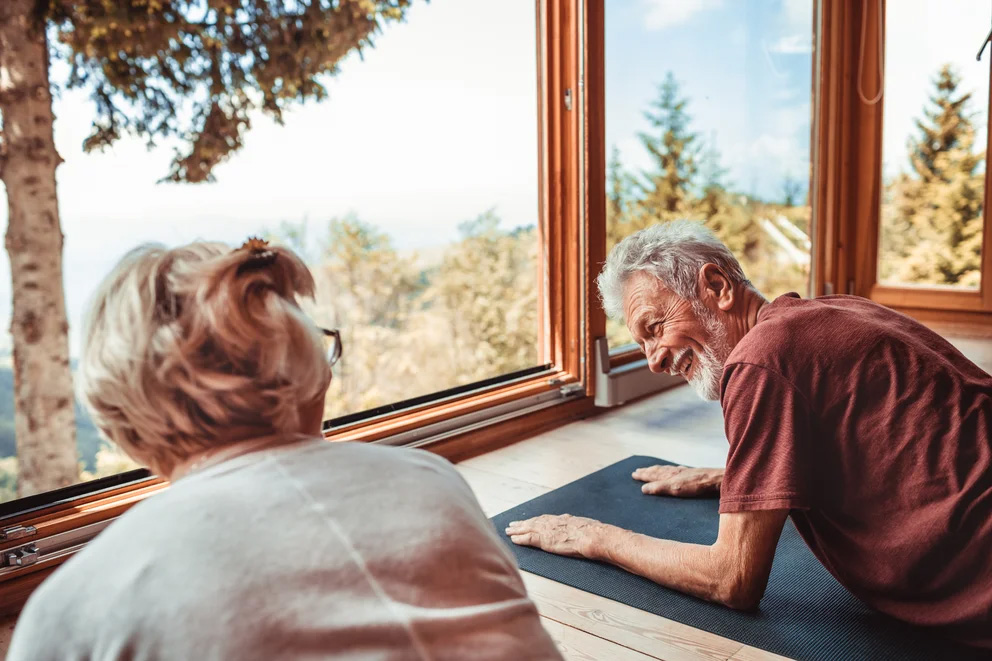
column 676, row 425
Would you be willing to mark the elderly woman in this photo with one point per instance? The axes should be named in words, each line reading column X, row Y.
column 270, row 543
column 868, row 429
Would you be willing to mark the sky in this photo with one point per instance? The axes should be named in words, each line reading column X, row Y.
column 952, row 32
column 438, row 123
column 745, row 67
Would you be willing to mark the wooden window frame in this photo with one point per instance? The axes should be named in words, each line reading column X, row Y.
column 571, row 156
column 847, row 201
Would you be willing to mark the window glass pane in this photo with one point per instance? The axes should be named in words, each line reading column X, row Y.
column 411, row 192
column 933, row 149
column 708, row 109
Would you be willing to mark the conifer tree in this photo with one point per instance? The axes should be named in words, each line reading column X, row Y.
column 673, row 148
column 932, row 215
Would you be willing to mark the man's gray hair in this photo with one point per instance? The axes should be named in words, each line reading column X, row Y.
column 673, row 252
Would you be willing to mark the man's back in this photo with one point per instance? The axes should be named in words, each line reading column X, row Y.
column 877, row 433
column 324, row 550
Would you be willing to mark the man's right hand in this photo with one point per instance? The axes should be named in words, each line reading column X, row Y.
column 680, row 481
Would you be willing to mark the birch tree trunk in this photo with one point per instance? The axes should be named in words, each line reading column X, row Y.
column 44, row 415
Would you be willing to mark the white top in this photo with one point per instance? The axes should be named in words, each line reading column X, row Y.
column 311, row 551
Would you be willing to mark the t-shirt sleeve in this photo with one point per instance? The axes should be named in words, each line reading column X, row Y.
column 767, row 421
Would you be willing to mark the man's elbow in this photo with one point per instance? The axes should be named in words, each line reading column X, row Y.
column 741, row 592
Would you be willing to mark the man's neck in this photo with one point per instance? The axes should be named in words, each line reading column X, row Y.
column 748, row 306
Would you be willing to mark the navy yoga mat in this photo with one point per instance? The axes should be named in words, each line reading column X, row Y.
column 805, row 614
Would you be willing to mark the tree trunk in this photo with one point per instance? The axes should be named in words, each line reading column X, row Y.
column 44, row 416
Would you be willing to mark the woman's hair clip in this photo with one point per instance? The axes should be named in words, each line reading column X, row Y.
column 259, row 254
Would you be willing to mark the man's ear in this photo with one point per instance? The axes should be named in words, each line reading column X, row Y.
column 715, row 287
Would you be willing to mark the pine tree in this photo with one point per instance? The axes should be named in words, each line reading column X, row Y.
column 667, row 190
column 932, row 216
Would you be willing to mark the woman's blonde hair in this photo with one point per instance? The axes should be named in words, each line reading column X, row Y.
column 199, row 347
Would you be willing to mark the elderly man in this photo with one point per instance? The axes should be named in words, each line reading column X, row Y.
column 871, row 431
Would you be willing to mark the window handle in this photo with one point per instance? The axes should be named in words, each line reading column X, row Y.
column 981, row 50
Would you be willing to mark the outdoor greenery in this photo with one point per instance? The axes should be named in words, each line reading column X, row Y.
column 931, row 232
column 687, row 180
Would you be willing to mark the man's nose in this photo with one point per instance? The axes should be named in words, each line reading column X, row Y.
column 659, row 359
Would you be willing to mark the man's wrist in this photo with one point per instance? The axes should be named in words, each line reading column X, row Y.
column 714, row 478
column 601, row 540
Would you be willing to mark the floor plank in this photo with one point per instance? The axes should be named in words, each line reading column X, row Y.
column 577, row 645
column 747, row 653
column 498, row 493
column 628, row 626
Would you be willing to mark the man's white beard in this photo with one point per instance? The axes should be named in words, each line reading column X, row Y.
column 708, row 368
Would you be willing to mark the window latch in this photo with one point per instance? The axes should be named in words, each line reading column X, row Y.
column 984, row 44
column 17, row 532
column 572, row 390
column 22, row 556
column 568, row 99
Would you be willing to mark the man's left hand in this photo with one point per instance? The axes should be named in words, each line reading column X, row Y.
column 563, row 534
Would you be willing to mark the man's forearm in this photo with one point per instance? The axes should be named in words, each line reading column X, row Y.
column 733, row 571
column 691, row 568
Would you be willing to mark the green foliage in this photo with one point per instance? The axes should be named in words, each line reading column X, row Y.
column 88, row 438
column 689, row 181
column 931, row 229
column 109, row 460
column 197, row 69
column 486, row 287
column 416, row 324
column 8, row 479
column 674, row 149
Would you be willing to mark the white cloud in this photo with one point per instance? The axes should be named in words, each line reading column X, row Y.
column 793, row 44
column 663, row 14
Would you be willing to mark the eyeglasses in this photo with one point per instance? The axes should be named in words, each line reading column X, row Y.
column 332, row 345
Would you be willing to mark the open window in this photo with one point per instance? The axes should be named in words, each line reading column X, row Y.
column 438, row 197
column 904, row 180
column 932, row 219
column 681, row 143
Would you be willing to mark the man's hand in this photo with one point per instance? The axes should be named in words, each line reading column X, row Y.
column 679, row 480
column 563, row 534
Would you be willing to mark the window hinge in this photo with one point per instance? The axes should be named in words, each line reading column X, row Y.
column 568, row 99
column 22, row 556
column 17, row 532
column 572, row 390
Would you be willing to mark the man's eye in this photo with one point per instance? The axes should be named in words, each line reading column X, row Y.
column 653, row 328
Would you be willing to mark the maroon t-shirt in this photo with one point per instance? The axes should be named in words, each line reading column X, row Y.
column 877, row 434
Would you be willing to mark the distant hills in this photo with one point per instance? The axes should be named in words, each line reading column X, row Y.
column 87, row 437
